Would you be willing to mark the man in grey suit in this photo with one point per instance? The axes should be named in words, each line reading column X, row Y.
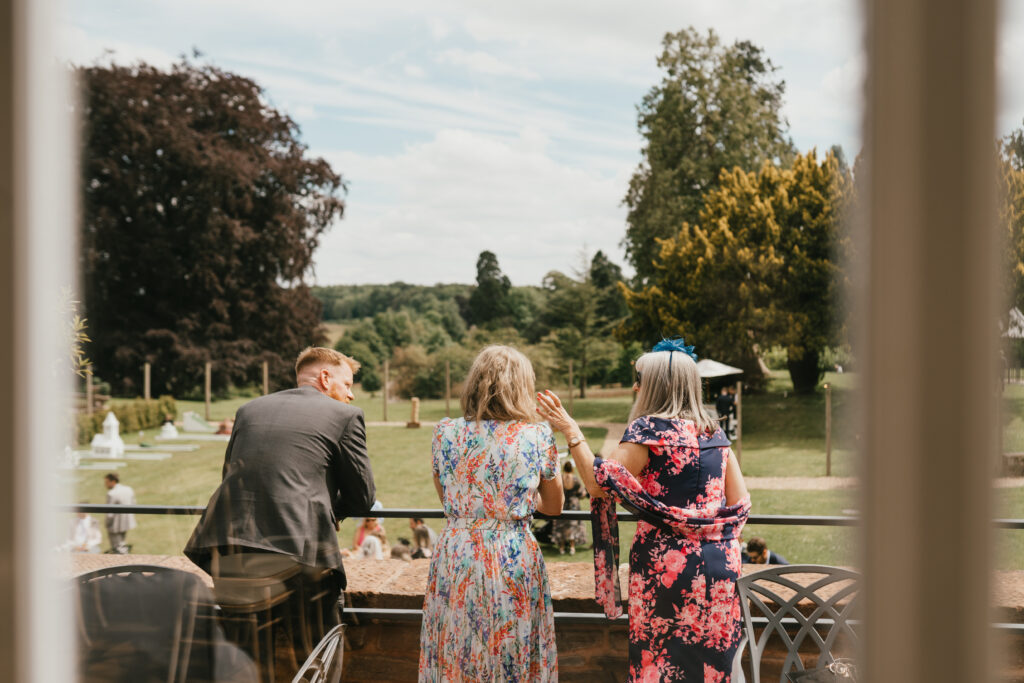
column 118, row 526
column 295, row 466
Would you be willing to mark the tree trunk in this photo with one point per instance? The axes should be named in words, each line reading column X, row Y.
column 804, row 372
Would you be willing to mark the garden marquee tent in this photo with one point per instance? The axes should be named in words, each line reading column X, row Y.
column 712, row 368
column 1015, row 328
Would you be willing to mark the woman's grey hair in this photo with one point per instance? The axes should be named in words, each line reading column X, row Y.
column 670, row 388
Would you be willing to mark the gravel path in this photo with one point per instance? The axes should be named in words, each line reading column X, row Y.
column 800, row 483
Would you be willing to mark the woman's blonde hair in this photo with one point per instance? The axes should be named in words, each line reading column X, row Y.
column 499, row 386
column 670, row 387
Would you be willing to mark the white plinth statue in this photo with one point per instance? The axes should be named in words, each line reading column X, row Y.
column 109, row 443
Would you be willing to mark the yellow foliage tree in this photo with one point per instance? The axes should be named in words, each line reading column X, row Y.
column 761, row 268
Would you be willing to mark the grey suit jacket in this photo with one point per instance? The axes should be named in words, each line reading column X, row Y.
column 296, row 462
column 120, row 495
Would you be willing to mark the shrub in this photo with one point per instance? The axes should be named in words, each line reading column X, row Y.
column 369, row 371
column 775, row 358
column 838, row 355
column 139, row 414
column 429, row 380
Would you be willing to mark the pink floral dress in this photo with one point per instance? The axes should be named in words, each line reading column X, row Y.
column 684, row 611
column 487, row 612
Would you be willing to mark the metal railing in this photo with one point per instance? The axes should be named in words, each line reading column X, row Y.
column 435, row 513
column 354, row 613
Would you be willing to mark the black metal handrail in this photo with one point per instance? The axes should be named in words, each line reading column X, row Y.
column 436, row 513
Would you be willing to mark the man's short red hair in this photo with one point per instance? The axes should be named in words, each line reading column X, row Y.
column 320, row 355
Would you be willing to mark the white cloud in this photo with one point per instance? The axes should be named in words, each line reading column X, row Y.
column 483, row 63
column 535, row 98
column 461, row 193
column 1011, row 68
column 439, row 29
column 81, row 48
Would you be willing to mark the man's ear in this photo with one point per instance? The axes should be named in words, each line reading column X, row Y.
column 325, row 378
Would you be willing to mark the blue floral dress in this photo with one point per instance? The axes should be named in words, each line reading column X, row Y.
column 684, row 611
column 487, row 612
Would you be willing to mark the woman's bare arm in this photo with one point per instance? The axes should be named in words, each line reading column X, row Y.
column 632, row 456
column 735, row 488
column 551, row 496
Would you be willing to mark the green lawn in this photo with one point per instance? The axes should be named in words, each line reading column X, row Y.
column 400, row 459
column 783, row 435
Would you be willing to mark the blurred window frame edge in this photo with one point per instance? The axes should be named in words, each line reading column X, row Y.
column 38, row 166
column 37, row 238
column 929, row 339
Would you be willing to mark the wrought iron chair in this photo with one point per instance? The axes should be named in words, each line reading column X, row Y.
column 325, row 661
column 115, row 608
column 145, row 623
column 819, row 613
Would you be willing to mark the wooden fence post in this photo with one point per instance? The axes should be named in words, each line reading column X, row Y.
column 828, row 429
column 387, row 368
column 571, row 392
column 414, row 418
column 145, row 381
column 88, row 390
column 447, row 388
column 738, row 443
column 207, row 387
column 266, row 377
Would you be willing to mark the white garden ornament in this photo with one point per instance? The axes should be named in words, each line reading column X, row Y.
column 109, row 443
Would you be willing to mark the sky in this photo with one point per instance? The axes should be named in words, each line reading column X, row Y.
column 461, row 125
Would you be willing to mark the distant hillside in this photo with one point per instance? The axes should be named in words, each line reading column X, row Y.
column 351, row 302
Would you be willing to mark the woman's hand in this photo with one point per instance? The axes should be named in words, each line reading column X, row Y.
column 550, row 408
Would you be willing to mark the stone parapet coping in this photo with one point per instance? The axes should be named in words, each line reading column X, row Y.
column 396, row 584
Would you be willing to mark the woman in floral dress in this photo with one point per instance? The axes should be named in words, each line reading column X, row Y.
column 674, row 468
column 487, row 612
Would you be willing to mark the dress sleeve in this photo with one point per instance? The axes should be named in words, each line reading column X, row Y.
column 548, row 453
column 437, row 445
column 641, row 431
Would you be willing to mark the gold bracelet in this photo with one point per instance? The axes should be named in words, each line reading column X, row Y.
column 575, row 441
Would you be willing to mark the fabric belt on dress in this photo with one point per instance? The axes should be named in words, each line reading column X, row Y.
column 488, row 524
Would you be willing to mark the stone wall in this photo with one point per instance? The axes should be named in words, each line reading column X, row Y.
column 388, row 650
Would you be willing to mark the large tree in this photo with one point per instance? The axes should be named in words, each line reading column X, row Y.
column 717, row 107
column 1013, row 149
column 490, row 302
column 760, row 268
column 1011, row 214
column 1011, row 187
column 578, row 314
column 201, row 212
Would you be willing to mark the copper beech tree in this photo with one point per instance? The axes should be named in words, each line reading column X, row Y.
column 201, row 213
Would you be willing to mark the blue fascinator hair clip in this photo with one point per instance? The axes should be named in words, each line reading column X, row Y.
column 675, row 344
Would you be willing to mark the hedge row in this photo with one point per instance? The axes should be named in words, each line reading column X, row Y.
column 139, row 414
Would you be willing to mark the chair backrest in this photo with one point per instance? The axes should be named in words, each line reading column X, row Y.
column 324, row 663
column 821, row 593
column 141, row 623
column 142, row 610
